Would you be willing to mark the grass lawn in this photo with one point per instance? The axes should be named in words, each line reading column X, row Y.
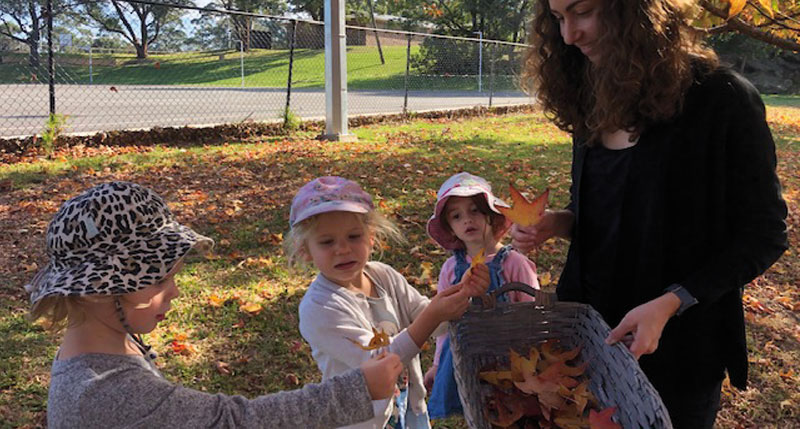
column 238, row 193
column 262, row 68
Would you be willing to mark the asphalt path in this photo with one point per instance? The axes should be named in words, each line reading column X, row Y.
column 94, row 108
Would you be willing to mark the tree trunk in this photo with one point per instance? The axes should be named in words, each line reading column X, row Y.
column 141, row 50
column 34, row 61
column 34, row 36
column 375, row 27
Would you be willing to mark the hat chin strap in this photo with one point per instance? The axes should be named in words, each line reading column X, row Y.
column 144, row 348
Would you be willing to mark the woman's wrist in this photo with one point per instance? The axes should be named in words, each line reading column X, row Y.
column 564, row 219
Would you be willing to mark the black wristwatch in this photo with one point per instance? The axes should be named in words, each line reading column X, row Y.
column 687, row 300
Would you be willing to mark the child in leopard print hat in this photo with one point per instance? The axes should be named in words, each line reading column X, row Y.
column 114, row 251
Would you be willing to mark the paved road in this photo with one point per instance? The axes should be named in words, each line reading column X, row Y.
column 93, row 108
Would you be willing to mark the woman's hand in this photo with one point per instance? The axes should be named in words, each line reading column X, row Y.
column 645, row 324
column 556, row 223
column 381, row 374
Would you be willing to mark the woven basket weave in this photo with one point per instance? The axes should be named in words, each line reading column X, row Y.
column 484, row 336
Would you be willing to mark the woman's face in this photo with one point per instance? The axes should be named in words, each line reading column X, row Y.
column 579, row 21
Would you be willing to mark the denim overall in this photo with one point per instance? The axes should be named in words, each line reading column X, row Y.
column 444, row 400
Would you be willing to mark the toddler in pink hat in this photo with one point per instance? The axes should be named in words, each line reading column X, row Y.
column 466, row 221
column 335, row 227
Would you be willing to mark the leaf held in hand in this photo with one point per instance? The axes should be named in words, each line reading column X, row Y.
column 480, row 258
column 524, row 212
column 378, row 340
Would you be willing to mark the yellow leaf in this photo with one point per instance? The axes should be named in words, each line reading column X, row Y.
column 524, row 212
column 252, row 308
column 215, row 300
column 767, row 4
column 496, row 378
column 735, row 7
column 480, row 258
column 545, row 278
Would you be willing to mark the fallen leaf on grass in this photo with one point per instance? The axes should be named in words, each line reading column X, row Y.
column 251, row 308
column 291, row 379
column 215, row 300
column 222, row 367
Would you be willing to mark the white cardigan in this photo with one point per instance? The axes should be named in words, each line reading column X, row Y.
column 330, row 315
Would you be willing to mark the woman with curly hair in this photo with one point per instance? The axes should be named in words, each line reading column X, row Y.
column 674, row 205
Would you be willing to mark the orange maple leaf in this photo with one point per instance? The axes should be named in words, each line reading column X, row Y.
column 602, row 419
column 480, row 258
column 524, row 212
column 378, row 340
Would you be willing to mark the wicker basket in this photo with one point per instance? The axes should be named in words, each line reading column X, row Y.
column 484, row 336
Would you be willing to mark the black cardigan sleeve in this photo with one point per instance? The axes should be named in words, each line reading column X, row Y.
column 755, row 211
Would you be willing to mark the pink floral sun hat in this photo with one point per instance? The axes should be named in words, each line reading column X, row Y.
column 461, row 185
column 328, row 194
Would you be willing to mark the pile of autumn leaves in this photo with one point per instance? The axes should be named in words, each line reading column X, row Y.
column 543, row 390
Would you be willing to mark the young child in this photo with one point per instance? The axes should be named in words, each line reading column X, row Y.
column 466, row 221
column 114, row 251
column 335, row 226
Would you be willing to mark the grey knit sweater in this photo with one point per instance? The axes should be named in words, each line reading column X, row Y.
column 108, row 391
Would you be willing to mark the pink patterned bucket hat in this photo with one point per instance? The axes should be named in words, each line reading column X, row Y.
column 461, row 185
column 328, row 194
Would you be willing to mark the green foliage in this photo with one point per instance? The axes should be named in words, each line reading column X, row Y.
column 53, row 128
column 291, row 121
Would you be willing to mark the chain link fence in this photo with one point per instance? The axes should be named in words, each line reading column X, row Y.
column 271, row 68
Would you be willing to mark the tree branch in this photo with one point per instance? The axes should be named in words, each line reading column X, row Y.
column 121, row 14
column 11, row 35
column 739, row 26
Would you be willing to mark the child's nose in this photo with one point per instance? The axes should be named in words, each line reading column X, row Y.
column 341, row 247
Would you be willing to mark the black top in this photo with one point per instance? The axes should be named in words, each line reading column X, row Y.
column 708, row 215
column 605, row 179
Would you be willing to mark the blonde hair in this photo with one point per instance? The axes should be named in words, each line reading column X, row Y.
column 58, row 312
column 382, row 230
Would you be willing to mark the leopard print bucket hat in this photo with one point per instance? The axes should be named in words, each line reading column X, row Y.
column 114, row 238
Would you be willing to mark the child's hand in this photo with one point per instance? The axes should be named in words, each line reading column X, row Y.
column 381, row 374
column 430, row 375
column 476, row 280
column 449, row 304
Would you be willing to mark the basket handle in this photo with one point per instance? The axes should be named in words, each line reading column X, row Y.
column 541, row 298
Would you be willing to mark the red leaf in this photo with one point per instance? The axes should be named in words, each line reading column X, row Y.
column 602, row 419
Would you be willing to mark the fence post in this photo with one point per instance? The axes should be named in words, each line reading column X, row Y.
column 405, row 85
column 336, row 73
column 91, row 78
column 51, row 69
column 480, row 60
column 289, row 79
column 241, row 59
column 492, row 57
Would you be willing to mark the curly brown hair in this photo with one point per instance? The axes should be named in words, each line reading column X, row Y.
column 641, row 81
